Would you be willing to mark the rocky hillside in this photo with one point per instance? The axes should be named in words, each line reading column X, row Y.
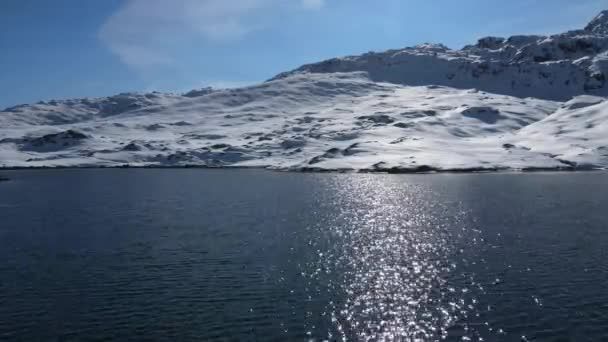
column 555, row 67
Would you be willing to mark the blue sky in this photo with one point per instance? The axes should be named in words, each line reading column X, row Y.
column 76, row 48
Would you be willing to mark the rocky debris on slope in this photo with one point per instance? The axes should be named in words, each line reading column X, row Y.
column 48, row 142
column 63, row 138
column 124, row 102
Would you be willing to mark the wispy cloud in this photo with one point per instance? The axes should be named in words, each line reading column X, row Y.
column 143, row 32
column 313, row 4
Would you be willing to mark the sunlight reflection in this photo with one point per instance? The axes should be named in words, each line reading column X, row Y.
column 394, row 251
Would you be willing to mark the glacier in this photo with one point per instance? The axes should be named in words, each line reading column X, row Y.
column 516, row 103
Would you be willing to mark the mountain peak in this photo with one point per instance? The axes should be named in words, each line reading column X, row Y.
column 599, row 24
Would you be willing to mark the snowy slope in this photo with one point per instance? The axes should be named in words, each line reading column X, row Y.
column 525, row 102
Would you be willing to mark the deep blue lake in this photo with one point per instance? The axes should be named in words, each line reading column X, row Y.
column 252, row 255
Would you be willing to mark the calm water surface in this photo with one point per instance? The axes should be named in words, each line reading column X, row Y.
column 246, row 255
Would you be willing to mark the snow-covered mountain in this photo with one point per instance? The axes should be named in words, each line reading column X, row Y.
column 524, row 102
column 554, row 67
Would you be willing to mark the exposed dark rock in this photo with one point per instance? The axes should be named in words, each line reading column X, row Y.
column 487, row 115
column 219, row 146
column 199, row 92
column 599, row 24
column 132, row 147
column 377, row 118
column 351, row 150
column 293, row 143
column 331, row 153
column 403, row 125
column 491, row 43
column 65, row 138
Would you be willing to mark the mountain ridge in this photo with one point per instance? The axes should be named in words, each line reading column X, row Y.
column 555, row 67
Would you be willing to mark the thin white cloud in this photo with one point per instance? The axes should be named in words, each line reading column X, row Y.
column 143, row 32
column 313, row 4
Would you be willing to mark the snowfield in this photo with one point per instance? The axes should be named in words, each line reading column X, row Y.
column 521, row 103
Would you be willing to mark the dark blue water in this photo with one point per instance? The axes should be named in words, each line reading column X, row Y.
column 200, row 255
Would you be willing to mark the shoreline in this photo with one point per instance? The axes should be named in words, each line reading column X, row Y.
column 423, row 170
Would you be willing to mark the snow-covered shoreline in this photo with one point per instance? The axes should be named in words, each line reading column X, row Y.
column 419, row 171
column 519, row 103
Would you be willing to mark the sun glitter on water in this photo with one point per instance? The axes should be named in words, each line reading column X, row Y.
column 394, row 256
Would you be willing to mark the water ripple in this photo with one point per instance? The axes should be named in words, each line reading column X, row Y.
column 191, row 255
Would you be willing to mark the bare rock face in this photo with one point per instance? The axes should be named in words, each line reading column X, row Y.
column 599, row 24
column 57, row 138
column 491, row 43
column 199, row 92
